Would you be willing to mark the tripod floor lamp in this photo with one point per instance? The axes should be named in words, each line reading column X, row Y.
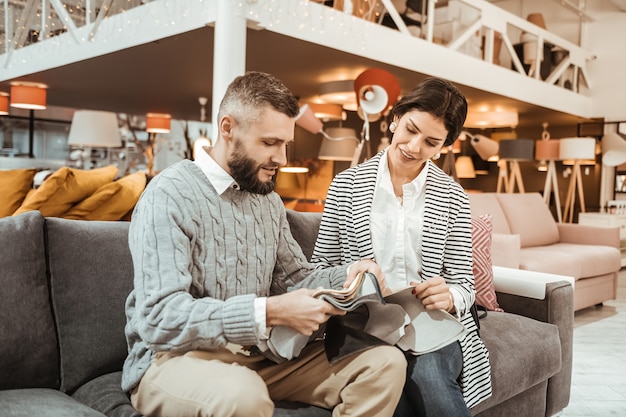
column 576, row 150
column 548, row 150
column 513, row 151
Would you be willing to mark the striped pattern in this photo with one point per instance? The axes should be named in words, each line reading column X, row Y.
column 344, row 237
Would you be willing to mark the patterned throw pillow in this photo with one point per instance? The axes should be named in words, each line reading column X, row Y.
column 482, row 229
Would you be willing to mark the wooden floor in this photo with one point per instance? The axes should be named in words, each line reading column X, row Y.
column 599, row 369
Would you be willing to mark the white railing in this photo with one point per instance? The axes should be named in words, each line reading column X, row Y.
column 496, row 25
column 24, row 22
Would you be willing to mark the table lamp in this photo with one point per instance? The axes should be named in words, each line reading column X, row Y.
column 93, row 129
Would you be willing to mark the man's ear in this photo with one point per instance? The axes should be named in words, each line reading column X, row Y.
column 226, row 125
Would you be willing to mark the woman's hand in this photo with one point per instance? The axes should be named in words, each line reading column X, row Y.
column 434, row 293
column 367, row 265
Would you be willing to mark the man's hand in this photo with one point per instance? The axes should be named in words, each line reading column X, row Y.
column 299, row 310
column 434, row 293
column 367, row 265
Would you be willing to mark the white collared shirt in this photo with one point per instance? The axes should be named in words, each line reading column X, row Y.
column 396, row 228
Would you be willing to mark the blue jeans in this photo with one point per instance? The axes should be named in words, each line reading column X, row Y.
column 432, row 388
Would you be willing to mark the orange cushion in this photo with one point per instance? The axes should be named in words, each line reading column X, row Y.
column 64, row 188
column 14, row 185
column 111, row 201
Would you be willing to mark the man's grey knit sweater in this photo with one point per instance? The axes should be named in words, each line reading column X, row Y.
column 200, row 259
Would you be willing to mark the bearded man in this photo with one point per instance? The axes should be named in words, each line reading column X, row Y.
column 216, row 268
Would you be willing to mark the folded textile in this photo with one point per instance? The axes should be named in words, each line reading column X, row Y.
column 285, row 343
column 402, row 321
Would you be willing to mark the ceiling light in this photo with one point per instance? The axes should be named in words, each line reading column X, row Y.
column 4, row 103
column 338, row 92
column 491, row 119
column 31, row 96
column 158, row 122
column 327, row 111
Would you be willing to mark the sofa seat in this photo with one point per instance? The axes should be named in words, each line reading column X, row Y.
column 516, row 364
column 574, row 260
column 42, row 402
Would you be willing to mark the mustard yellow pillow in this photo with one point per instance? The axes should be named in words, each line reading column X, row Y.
column 111, row 201
column 14, row 185
column 64, row 188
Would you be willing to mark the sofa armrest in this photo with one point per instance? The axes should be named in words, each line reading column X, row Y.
column 555, row 307
column 523, row 283
column 589, row 235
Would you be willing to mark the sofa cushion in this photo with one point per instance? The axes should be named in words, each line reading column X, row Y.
column 578, row 261
column 482, row 266
column 111, row 201
column 91, row 275
column 487, row 203
column 105, row 394
column 66, row 187
column 518, row 362
column 14, row 185
column 529, row 216
column 41, row 402
column 28, row 344
column 304, row 228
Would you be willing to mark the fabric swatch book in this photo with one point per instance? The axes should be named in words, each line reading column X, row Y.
column 397, row 319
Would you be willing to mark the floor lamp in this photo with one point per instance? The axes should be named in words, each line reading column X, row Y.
column 613, row 155
column 576, row 150
column 513, row 151
column 548, row 150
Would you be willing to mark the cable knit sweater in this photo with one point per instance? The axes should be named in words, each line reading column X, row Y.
column 200, row 259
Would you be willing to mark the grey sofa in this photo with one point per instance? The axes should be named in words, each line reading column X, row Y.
column 64, row 284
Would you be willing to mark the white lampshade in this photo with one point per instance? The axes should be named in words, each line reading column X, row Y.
column 339, row 144
column 307, row 120
column 486, row 148
column 577, row 148
column 96, row 129
column 613, row 149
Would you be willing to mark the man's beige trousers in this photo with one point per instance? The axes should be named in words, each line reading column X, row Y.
column 225, row 384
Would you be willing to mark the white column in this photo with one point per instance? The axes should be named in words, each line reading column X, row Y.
column 229, row 53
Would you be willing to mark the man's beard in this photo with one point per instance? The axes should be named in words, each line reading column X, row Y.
column 245, row 172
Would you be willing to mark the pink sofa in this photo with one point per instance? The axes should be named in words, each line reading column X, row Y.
column 526, row 236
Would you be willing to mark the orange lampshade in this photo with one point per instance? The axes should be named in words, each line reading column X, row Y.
column 28, row 96
column 158, row 122
column 546, row 150
column 374, row 78
column 4, row 103
column 327, row 111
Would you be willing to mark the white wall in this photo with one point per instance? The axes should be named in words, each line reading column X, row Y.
column 605, row 38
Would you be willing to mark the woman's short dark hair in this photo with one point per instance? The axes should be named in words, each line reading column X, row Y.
column 441, row 99
column 247, row 94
